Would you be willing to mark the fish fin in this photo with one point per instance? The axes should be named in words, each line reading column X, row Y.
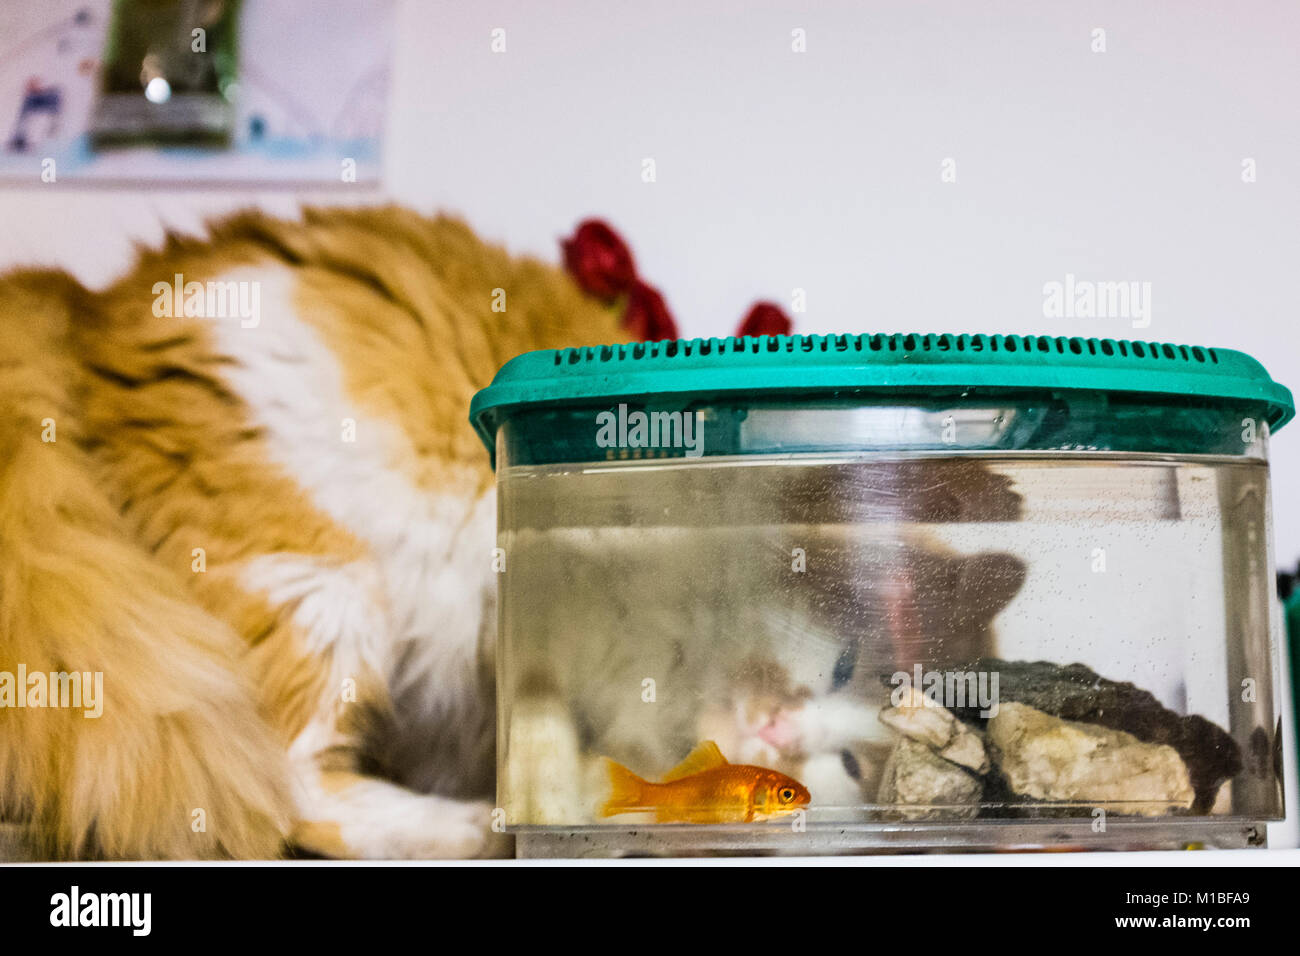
column 706, row 756
column 626, row 790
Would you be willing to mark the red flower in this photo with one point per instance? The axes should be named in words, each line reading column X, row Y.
column 765, row 318
column 599, row 261
column 646, row 317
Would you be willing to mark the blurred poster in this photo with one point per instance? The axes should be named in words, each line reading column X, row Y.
column 177, row 92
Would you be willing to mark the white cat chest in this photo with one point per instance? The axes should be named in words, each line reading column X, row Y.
column 819, row 594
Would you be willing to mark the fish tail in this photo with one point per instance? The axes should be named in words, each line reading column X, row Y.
column 626, row 790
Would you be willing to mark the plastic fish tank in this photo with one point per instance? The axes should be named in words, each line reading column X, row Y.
column 873, row 593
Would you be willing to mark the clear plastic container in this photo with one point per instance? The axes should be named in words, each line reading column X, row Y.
column 907, row 622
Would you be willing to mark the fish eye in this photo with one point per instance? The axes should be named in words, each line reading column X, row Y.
column 786, row 794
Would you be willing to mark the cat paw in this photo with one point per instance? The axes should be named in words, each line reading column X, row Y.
column 387, row 823
column 461, row 830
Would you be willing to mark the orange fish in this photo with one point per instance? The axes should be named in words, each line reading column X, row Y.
column 704, row 788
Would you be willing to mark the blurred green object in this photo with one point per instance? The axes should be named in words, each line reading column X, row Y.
column 169, row 74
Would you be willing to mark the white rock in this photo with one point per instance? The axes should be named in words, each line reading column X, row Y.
column 922, row 720
column 918, row 784
column 1048, row 758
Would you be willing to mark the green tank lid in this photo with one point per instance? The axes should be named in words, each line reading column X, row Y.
column 765, row 367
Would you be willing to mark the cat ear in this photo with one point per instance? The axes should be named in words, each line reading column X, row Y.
column 991, row 580
column 704, row 757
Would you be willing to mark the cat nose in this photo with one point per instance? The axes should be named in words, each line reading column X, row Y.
column 779, row 733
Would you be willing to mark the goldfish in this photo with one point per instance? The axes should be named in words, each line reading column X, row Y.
column 705, row 788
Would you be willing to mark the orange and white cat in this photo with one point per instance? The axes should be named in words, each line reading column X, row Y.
column 239, row 490
column 239, row 484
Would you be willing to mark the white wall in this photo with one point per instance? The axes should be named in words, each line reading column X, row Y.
column 821, row 170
